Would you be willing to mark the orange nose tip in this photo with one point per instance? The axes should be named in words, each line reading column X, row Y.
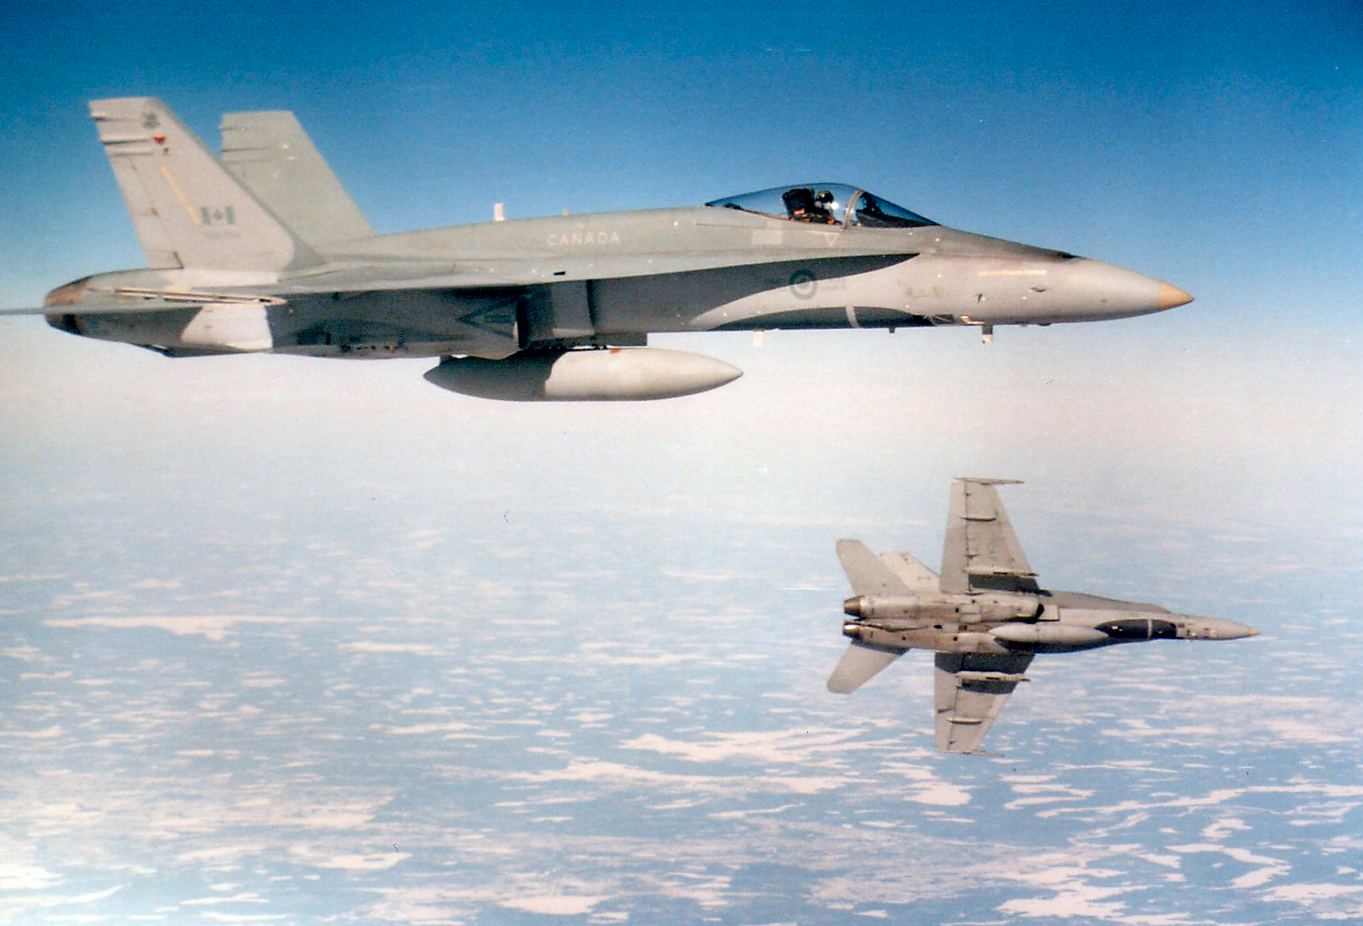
column 1171, row 297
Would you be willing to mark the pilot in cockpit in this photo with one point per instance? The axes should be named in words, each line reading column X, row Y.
column 803, row 206
column 823, row 207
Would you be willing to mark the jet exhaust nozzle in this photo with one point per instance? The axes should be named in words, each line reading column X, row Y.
column 611, row 375
column 854, row 607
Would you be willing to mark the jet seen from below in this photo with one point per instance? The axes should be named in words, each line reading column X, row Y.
column 264, row 251
column 985, row 617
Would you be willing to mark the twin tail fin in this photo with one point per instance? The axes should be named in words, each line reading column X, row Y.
column 188, row 210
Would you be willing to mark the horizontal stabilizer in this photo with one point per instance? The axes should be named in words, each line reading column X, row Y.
column 858, row 665
column 919, row 578
column 867, row 573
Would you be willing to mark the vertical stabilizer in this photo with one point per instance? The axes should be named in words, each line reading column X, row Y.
column 188, row 211
column 272, row 155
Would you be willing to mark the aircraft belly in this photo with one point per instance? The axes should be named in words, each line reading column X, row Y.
column 415, row 324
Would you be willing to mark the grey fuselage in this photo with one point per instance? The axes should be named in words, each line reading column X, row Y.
column 614, row 278
column 1018, row 622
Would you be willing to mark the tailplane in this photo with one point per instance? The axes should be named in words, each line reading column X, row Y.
column 859, row 663
column 187, row 209
column 868, row 573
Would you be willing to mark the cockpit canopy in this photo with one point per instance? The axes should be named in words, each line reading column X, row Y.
column 825, row 204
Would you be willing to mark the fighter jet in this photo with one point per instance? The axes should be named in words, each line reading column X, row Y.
column 262, row 250
column 985, row 616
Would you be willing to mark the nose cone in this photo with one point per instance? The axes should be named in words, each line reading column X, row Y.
column 1171, row 297
column 1230, row 630
column 1097, row 290
column 1216, row 628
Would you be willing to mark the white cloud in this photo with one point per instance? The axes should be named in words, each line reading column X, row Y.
column 18, row 876
column 215, row 627
column 422, row 729
column 321, row 857
column 47, row 733
column 219, row 899
column 619, row 775
column 375, row 646
column 778, row 746
column 1335, row 902
column 1269, row 869
column 554, row 904
column 941, row 794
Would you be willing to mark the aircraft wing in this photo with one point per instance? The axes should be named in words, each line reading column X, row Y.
column 969, row 691
column 981, row 552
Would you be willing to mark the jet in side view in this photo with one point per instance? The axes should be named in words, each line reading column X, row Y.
column 984, row 617
column 263, row 250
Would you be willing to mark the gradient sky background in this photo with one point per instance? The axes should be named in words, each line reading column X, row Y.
column 1215, row 145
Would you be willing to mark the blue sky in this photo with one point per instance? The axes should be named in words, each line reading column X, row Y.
column 1214, row 145
column 1190, row 136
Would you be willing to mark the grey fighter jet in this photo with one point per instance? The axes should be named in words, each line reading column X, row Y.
column 984, row 617
column 263, row 250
